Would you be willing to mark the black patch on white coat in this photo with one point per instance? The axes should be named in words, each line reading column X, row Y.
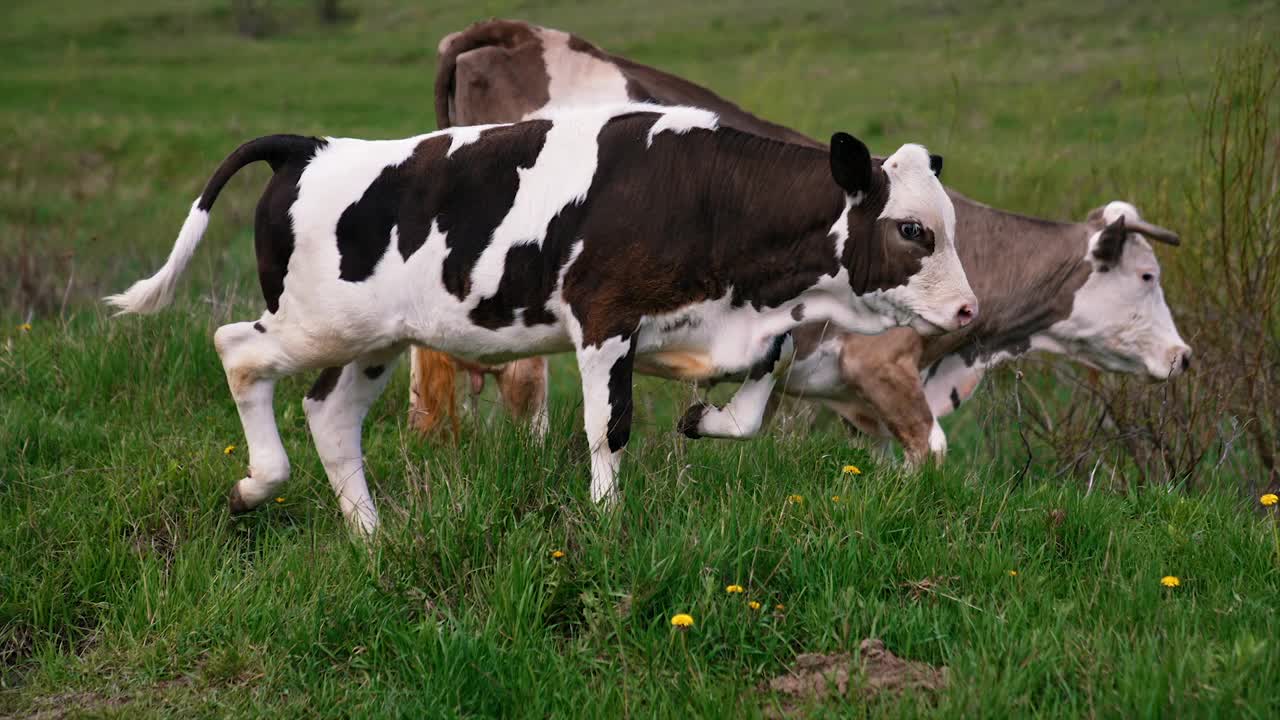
column 364, row 229
column 620, row 402
column 955, row 399
column 324, row 384
column 481, row 187
column 530, row 274
column 374, row 371
column 797, row 312
column 258, row 326
column 770, row 359
column 466, row 194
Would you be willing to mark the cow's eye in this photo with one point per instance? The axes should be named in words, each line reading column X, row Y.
column 1148, row 277
column 910, row 230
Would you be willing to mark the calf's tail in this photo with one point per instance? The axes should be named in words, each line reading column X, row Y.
column 156, row 292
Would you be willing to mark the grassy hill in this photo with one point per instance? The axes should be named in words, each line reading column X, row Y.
column 125, row 588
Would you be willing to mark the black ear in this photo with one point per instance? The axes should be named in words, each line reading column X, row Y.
column 1110, row 245
column 850, row 163
column 935, row 164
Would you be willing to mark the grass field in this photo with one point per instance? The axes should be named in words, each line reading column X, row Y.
column 127, row 590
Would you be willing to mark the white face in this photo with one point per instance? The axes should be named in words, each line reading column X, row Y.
column 1119, row 320
column 938, row 298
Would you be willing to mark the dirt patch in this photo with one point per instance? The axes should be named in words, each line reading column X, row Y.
column 816, row 678
column 89, row 702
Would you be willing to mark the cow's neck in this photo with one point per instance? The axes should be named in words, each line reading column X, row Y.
column 1025, row 271
column 771, row 209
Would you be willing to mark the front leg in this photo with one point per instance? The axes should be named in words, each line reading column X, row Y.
column 606, row 371
column 745, row 413
column 885, row 372
column 739, row 419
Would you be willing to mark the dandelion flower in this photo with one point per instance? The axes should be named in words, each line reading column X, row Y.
column 852, row 470
column 733, row 589
column 682, row 620
column 835, row 498
column 25, row 327
column 795, row 499
column 1269, row 499
column 753, row 605
column 779, row 607
column 279, row 500
column 557, row 554
column 228, row 449
column 1170, row 581
column 1013, row 573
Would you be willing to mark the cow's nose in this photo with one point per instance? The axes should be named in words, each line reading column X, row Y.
column 967, row 313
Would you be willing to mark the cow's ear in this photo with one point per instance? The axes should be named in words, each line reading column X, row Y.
column 1109, row 246
column 935, row 164
column 850, row 163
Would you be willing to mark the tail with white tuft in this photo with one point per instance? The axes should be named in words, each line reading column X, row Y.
column 156, row 292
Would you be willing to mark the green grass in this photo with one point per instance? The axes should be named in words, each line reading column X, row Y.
column 126, row 589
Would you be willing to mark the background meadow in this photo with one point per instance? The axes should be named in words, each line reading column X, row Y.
column 125, row 588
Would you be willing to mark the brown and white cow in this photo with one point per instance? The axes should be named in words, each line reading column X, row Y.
column 625, row 234
column 1088, row 290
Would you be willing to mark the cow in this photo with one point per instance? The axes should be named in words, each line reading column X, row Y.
column 1055, row 286
column 620, row 233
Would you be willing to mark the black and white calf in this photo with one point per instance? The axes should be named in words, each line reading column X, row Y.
column 617, row 233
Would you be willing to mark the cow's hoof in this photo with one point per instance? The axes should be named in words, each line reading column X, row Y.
column 688, row 425
column 235, row 502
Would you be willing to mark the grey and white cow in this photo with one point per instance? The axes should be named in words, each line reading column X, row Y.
column 1089, row 290
column 625, row 234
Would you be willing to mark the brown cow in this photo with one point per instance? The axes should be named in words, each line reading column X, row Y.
column 1042, row 284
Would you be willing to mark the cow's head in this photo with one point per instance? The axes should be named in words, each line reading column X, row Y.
column 901, row 252
column 1119, row 320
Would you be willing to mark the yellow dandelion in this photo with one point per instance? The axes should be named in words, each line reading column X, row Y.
column 1013, row 573
column 1269, row 499
column 682, row 620
column 779, row 607
column 25, row 327
column 733, row 589
column 557, row 554
column 753, row 605
column 852, row 470
column 835, row 498
column 795, row 499
column 279, row 500
column 1170, row 581
column 228, row 449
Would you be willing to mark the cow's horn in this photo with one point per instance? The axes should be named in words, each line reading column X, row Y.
column 1154, row 232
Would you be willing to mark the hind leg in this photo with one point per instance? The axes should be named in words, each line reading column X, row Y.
column 253, row 361
column 336, row 407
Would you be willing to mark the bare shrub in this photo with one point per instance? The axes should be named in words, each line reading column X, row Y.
column 1223, row 417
